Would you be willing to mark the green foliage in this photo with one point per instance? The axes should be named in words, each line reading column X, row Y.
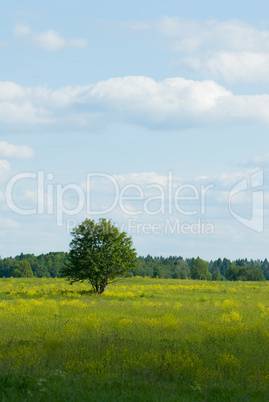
column 265, row 268
column 199, row 269
column 233, row 272
column 23, row 269
column 44, row 265
column 99, row 253
column 174, row 267
column 244, row 273
column 221, row 265
column 216, row 276
column 161, row 267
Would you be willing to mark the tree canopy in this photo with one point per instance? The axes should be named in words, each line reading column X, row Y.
column 199, row 269
column 99, row 253
column 22, row 269
column 244, row 273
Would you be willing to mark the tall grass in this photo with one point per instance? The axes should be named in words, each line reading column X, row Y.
column 143, row 340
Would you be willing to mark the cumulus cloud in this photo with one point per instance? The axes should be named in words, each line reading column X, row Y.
column 15, row 151
column 233, row 50
column 232, row 66
column 169, row 104
column 50, row 40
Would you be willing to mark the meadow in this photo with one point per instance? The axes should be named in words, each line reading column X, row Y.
column 142, row 340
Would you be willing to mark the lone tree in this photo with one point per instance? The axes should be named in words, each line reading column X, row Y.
column 99, row 253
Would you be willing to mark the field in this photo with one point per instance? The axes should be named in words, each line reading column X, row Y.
column 143, row 340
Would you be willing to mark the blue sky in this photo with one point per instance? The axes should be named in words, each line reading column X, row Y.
column 101, row 104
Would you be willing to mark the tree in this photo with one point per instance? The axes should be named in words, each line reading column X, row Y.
column 181, row 269
column 199, row 269
column 216, row 276
column 23, row 269
column 233, row 272
column 251, row 274
column 99, row 253
column 265, row 268
column 241, row 273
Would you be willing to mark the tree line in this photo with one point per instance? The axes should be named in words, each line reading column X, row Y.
column 175, row 267
column 51, row 264
column 28, row 265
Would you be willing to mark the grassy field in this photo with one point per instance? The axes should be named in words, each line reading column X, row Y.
column 143, row 340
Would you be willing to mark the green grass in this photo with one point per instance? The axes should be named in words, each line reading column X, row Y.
column 143, row 340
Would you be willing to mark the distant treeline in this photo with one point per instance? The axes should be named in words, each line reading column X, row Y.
column 27, row 265
column 173, row 267
column 195, row 268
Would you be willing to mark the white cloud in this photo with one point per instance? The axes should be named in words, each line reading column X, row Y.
column 232, row 66
column 234, row 50
column 164, row 97
column 50, row 40
column 10, row 91
column 193, row 36
column 169, row 104
column 15, row 151
column 22, row 115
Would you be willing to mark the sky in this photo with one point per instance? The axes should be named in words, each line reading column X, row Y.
column 152, row 114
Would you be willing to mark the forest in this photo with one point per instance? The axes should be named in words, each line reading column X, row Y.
column 50, row 265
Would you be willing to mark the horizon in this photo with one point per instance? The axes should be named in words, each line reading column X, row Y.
column 149, row 255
